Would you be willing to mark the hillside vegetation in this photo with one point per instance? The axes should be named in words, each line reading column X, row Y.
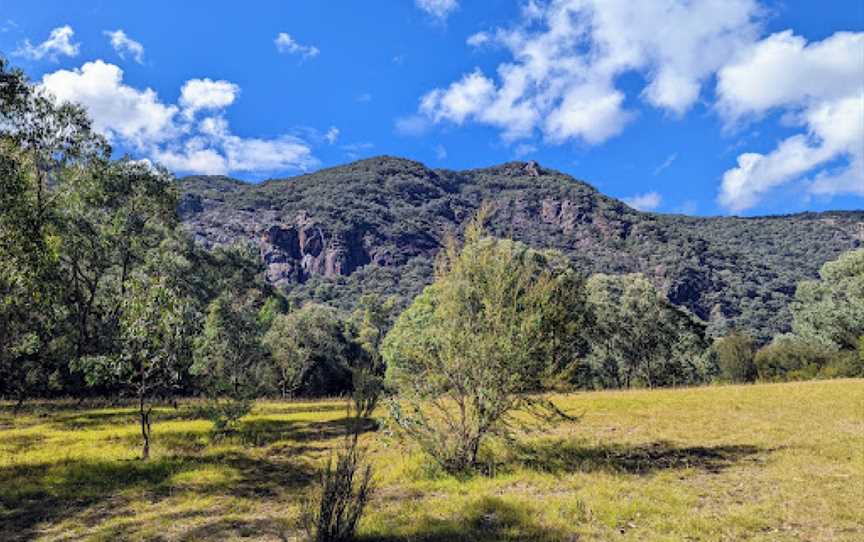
column 771, row 462
column 373, row 226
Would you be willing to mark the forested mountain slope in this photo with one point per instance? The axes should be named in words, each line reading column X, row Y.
column 375, row 225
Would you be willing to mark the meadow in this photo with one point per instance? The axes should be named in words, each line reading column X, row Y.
column 772, row 462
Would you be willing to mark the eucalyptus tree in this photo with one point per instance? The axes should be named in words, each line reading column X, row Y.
column 312, row 351
column 641, row 338
column 830, row 311
column 229, row 356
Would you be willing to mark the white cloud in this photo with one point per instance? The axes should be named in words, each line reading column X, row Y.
column 332, row 135
column 818, row 87
column 168, row 133
column 412, row 125
column 364, row 98
column 666, row 163
column 568, row 54
column 440, row 9
column 645, row 202
column 191, row 159
column 286, row 44
column 136, row 117
column 440, row 152
column 356, row 150
column 59, row 43
column 123, row 44
column 479, row 39
column 203, row 94
column 468, row 97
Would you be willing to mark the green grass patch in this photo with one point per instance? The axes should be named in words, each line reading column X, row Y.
column 763, row 462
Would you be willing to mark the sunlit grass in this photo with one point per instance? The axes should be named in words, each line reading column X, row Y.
column 765, row 462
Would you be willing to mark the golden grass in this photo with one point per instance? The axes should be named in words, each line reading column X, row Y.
column 771, row 462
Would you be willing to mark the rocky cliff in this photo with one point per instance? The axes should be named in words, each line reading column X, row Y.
column 375, row 226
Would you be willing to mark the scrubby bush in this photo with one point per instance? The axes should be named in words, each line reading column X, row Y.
column 332, row 511
column 734, row 356
column 464, row 354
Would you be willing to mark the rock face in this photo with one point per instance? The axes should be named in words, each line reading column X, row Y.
column 376, row 225
column 295, row 252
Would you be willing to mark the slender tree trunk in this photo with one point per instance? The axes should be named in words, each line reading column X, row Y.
column 145, row 427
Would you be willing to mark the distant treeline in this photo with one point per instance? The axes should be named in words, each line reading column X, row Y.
column 102, row 293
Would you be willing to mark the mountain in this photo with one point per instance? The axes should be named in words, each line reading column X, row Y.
column 375, row 226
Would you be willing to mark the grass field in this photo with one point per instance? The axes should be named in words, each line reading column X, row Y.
column 765, row 462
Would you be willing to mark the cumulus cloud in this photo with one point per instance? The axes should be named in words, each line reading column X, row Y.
column 124, row 45
column 819, row 87
column 171, row 134
column 286, row 44
column 203, row 94
column 568, row 54
column 440, row 9
column 121, row 112
column 645, row 202
column 59, row 43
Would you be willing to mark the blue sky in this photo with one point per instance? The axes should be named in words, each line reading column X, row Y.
column 703, row 107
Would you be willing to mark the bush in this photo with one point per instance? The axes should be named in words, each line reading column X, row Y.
column 734, row 356
column 226, row 415
column 791, row 358
column 466, row 353
column 332, row 513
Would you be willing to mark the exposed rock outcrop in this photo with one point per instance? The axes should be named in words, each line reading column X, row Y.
column 295, row 252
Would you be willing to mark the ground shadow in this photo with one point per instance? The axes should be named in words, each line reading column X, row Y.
column 261, row 432
column 489, row 519
column 557, row 456
column 34, row 495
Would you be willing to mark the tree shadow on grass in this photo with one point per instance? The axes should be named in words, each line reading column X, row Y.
column 261, row 432
column 488, row 519
column 88, row 420
column 558, row 456
column 45, row 493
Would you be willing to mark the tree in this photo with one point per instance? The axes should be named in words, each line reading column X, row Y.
column 464, row 355
column 369, row 323
column 639, row 337
column 830, row 311
column 228, row 356
column 42, row 144
column 155, row 343
column 735, row 357
column 311, row 351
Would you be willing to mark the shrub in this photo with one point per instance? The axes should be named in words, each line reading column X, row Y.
column 734, row 355
column 463, row 356
column 331, row 513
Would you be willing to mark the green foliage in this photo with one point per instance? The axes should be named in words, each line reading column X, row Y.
column 332, row 512
column 229, row 357
column 463, row 356
column 639, row 338
column 830, row 311
column 311, row 350
column 735, row 357
column 369, row 323
column 154, row 344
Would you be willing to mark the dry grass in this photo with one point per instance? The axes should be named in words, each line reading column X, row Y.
column 767, row 462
